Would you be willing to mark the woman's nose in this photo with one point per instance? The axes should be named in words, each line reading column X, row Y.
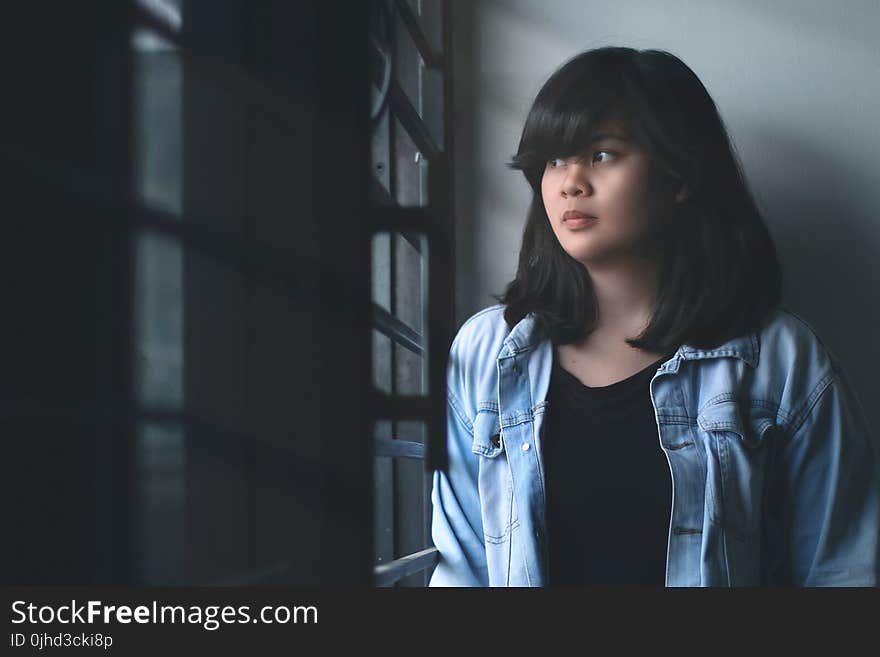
column 575, row 183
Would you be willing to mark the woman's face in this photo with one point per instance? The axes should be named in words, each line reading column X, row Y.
column 617, row 184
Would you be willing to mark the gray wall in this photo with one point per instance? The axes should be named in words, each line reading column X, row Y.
column 797, row 83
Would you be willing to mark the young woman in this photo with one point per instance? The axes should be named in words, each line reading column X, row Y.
column 638, row 410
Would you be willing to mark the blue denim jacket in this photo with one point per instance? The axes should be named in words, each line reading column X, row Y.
column 774, row 469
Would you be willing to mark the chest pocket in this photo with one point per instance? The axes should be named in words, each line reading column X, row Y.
column 737, row 454
column 495, row 483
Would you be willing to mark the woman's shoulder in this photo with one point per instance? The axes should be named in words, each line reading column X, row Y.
column 483, row 330
column 787, row 339
column 795, row 363
column 473, row 356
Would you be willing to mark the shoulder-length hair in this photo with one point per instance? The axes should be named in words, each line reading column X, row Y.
column 719, row 277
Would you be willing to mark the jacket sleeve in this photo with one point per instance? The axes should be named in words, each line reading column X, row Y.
column 828, row 492
column 456, row 523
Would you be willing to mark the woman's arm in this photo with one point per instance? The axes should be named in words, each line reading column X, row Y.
column 456, row 526
column 826, row 495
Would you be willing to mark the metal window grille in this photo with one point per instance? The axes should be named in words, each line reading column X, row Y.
column 412, row 274
column 213, row 450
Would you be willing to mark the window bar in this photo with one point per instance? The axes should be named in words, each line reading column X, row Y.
column 160, row 17
column 392, row 216
column 389, row 573
column 382, row 197
column 380, row 194
column 401, row 407
column 399, row 448
column 115, row 559
column 398, row 331
column 431, row 58
column 263, row 262
column 392, row 301
column 440, row 311
column 411, row 121
column 441, row 271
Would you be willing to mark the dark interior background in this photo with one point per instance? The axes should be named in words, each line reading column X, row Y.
column 222, row 437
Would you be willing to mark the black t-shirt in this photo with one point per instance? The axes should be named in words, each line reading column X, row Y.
column 609, row 491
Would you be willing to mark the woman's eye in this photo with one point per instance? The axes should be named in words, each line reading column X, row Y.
column 558, row 161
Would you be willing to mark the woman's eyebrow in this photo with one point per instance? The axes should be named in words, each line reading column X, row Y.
column 607, row 135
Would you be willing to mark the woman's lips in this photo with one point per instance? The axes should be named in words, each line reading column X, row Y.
column 579, row 221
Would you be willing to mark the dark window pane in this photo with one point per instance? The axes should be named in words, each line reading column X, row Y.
column 381, row 269
column 383, row 500
column 411, row 502
column 158, row 321
column 380, row 149
column 431, row 107
column 407, row 61
column 411, row 279
column 410, row 170
column 430, row 17
column 158, row 117
column 381, row 362
column 410, row 291
column 422, row 85
column 160, row 530
column 410, row 373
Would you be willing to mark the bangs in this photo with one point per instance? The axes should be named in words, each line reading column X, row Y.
column 560, row 134
column 567, row 113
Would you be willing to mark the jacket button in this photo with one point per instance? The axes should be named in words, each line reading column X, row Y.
column 525, row 447
column 496, row 440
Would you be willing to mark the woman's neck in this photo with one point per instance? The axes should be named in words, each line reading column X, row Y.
column 625, row 297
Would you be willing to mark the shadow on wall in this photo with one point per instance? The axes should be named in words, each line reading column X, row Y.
column 828, row 246
column 464, row 140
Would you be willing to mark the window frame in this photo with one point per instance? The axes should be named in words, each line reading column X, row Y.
column 404, row 221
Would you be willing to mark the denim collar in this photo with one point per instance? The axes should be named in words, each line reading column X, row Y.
column 747, row 347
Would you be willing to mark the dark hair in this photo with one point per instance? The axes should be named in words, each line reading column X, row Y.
column 720, row 276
